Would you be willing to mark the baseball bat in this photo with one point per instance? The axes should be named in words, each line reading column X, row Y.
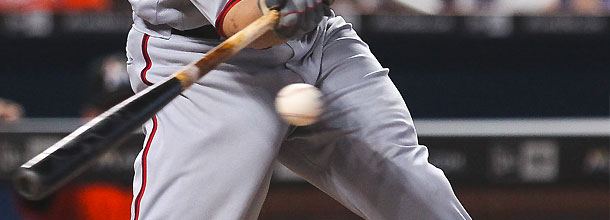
column 73, row 154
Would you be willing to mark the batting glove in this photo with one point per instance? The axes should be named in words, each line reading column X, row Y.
column 297, row 17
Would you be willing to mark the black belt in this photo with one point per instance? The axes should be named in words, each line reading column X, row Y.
column 206, row 32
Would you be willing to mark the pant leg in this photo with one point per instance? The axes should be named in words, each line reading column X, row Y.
column 365, row 151
column 208, row 154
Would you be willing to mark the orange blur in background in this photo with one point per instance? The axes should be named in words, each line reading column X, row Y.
column 96, row 201
column 54, row 5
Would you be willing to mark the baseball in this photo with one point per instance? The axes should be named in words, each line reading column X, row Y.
column 299, row 104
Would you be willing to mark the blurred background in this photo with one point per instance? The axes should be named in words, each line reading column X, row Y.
column 512, row 97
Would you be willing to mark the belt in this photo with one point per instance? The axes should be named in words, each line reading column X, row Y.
column 205, row 32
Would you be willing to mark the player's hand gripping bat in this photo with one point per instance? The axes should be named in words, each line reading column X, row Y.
column 76, row 152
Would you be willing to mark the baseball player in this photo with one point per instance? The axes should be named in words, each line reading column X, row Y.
column 209, row 153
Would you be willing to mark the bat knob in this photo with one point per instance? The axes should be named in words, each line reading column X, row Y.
column 28, row 184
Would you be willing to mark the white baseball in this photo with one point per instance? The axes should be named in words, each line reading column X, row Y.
column 299, row 104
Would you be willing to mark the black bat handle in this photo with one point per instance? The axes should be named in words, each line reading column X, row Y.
column 78, row 151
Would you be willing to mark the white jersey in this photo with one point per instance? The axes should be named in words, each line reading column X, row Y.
column 158, row 17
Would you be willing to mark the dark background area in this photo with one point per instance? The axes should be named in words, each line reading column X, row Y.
column 466, row 77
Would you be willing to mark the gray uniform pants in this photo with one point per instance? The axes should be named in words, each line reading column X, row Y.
column 209, row 153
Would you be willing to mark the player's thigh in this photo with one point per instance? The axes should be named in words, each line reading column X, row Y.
column 364, row 152
column 362, row 105
column 220, row 132
column 207, row 155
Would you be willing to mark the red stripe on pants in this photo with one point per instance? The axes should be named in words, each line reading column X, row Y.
column 144, row 156
column 146, row 59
